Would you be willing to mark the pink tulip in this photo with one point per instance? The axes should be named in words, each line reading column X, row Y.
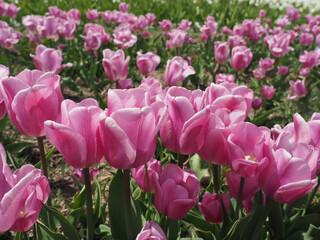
column 9, row 37
column 151, row 230
column 220, row 78
column 78, row 173
column 236, row 40
column 93, row 15
column 115, row 65
column 240, row 58
column 123, row 7
column 48, row 59
column 221, row 52
column 310, row 59
column 68, row 29
column 250, row 186
column 259, row 73
column 49, row 29
column 165, row 25
column 292, row 13
column 298, row 89
column 305, row 72
column 256, row 103
column 139, row 174
column 184, row 126
column 247, row 145
column 147, row 62
column 209, row 29
column 211, row 207
column 283, row 22
column 125, row 83
column 290, row 174
column 31, row 98
column 12, row 10
column 21, row 195
column 130, row 110
column 123, row 37
column 282, row 70
column 266, row 63
column 267, row 92
column 177, row 38
column 151, row 18
column 4, row 72
column 184, row 25
column 278, row 44
column 262, row 13
column 305, row 39
column 75, row 134
column 74, row 14
column 176, row 191
column 177, row 69
column 154, row 87
column 318, row 40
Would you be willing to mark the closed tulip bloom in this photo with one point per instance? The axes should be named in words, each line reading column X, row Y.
column 221, row 52
column 31, row 98
column 147, row 62
column 68, row 29
column 21, row 195
column 259, row 73
column 151, row 230
column 4, row 72
column 262, row 13
column 220, row 78
column 310, row 59
column 128, row 129
column 74, row 14
column 211, row 207
column 93, row 15
column 267, row 92
column 139, row 174
column 12, row 10
column 177, row 38
column 75, row 134
column 240, row 58
column 165, row 25
column 176, row 191
column 298, row 89
column 123, row 7
column 257, row 103
column 278, row 44
column 282, row 70
column 115, row 64
column 305, row 72
column 177, row 69
column 292, row 13
column 125, row 83
column 48, row 59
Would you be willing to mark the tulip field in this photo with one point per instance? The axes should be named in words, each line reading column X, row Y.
column 159, row 119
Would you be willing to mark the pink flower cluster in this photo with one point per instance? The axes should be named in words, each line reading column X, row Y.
column 8, row 36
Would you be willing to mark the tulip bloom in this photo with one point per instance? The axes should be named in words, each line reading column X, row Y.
column 115, row 65
column 240, row 58
column 278, row 44
column 139, row 174
column 176, row 191
column 151, row 230
column 165, row 25
column 298, row 89
column 221, row 78
column 4, row 72
column 266, row 63
column 211, row 207
column 48, row 59
column 21, row 195
column 221, row 52
column 267, row 92
column 123, row 37
column 282, row 70
column 128, row 129
column 75, row 134
column 31, row 98
column 147, row 62
column 177, row 69
column 257, row 103
column 93, row 14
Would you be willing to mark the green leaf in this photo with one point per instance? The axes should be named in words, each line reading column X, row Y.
column 80, row 200
column 15, row 148
column 74, row 216
column 199, row 166
column 197, row 220
column 312, row 233
column 103, row 229
column 123, row 225
column 19, row 236
column 69, row 231
column 276, row 221
column 97, row 204
column 44, row 233
column 173, row 230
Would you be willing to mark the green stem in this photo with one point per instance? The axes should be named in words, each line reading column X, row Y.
column 148, row 192
column 239, row 200
column 127, row 193
column 310, row 200
column 262, row 219
column 236, row 77
column 87, row 183
column 42, row 156
column 216, row 178
column 166, row 227
column 180, row 160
